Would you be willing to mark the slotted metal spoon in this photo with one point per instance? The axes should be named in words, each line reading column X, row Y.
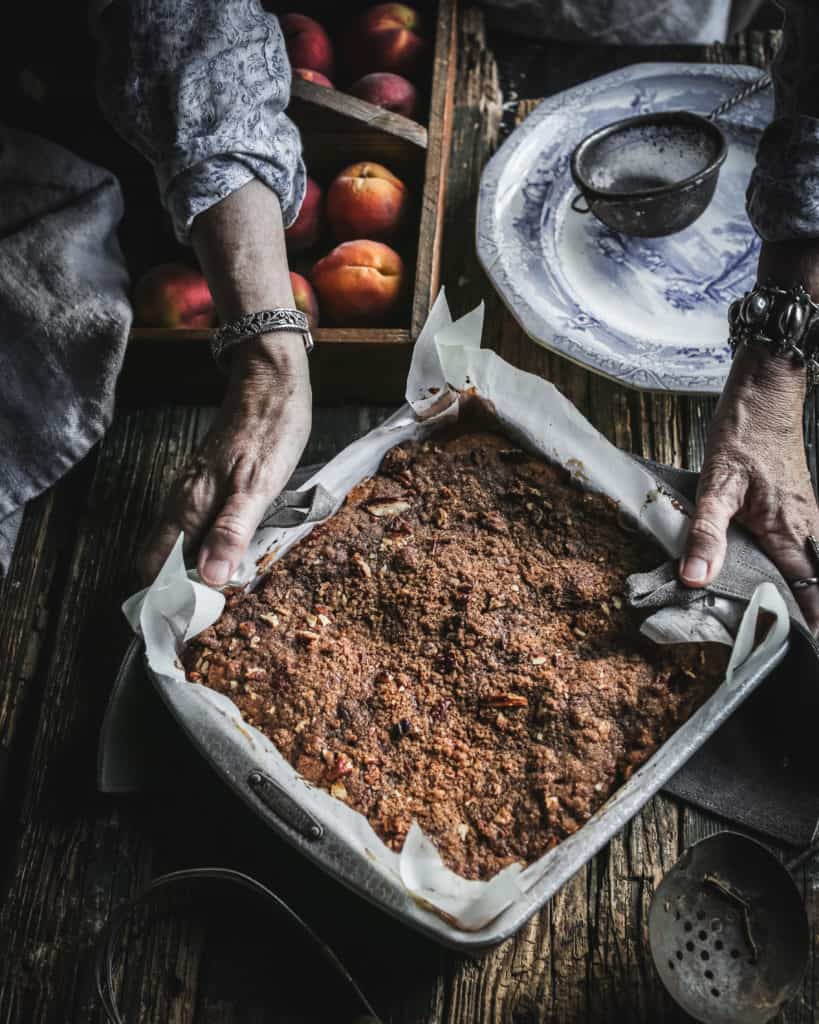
column 654, row 174
column 728, row 930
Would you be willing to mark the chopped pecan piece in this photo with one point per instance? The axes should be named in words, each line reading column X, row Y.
column 361, row 564
column 506, row 700
column 494, row 522
column 340, row 766
column 386, row 508
column 515, row 456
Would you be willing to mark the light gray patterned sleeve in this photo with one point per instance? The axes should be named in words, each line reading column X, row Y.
column 199, row 87
column 783, row 194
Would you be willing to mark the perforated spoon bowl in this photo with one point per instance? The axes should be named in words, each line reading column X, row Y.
column 728, row 930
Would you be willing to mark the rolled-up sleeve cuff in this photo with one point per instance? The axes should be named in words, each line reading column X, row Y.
column 783, row 193
column 195, row 190
column 200, row 89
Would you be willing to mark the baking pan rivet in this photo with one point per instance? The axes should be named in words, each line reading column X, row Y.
column 315, row 831
column 254, row 779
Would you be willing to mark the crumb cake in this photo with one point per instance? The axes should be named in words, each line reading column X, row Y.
column 454, row 647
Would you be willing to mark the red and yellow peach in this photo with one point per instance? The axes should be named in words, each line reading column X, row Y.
column 306, row 228
column 316, row 77
column 173, row 295
column 387, row 38
column 360, row 282
column 305, row 298
column 366, row 200
column 392, row 92
column 308, row 45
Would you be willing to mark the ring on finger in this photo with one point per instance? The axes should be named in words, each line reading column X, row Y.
column 804, row 582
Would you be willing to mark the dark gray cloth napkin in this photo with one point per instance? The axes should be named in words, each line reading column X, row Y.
column 64, row 316
column 758, row 770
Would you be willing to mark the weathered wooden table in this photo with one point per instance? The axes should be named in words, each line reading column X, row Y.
column 68, row 856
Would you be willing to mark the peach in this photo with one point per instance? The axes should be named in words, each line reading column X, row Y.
column 387, row 38
column 366, row 201
column 173, row 295
column 313, row 76
column 359, row 283
column 308, row 45
column 306, row 228
column 305, row 298
column 392, row 92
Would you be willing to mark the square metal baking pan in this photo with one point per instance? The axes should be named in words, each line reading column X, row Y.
column 240, row 768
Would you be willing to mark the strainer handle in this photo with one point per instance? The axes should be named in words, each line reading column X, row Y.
column 149, row 899
column 743, row 94
column 575, row 204
column 807, row 854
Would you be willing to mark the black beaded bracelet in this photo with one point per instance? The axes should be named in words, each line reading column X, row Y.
column 783, row 320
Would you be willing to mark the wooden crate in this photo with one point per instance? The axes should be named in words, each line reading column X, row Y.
column 348, row 364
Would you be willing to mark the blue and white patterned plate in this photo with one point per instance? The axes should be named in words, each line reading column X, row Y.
column 650, row 313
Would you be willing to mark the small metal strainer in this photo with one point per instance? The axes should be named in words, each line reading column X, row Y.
column 728, row 930
column 654, row 174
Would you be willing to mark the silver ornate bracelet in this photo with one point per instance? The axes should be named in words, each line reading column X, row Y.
column 783, row 320
column 253, row 324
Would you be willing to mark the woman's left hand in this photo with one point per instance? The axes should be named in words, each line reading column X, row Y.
column 755, row 471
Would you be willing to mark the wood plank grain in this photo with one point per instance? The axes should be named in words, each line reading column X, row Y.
column 30, row 598
column 336, row 112
column 24, row 624
column 156, row 375
column 622, row 981
column 475, row 125
column 190, row 340
column 433, row 198
column 76, row 853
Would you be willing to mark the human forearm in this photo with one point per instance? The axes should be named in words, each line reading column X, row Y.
column 264, row 422
column 783, row 193
column 241, row 249
column 777, row 384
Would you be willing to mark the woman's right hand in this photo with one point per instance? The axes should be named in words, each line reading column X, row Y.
column 244, row 462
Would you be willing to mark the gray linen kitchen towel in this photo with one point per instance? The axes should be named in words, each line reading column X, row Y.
column 64, row 316
column 759, row 769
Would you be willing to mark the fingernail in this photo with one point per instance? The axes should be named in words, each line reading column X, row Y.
column 216, row 571
column 695, row 569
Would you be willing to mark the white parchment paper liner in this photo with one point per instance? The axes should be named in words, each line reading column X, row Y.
column 448, row 362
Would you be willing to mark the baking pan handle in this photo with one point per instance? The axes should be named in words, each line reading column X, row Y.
column 284, row 806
